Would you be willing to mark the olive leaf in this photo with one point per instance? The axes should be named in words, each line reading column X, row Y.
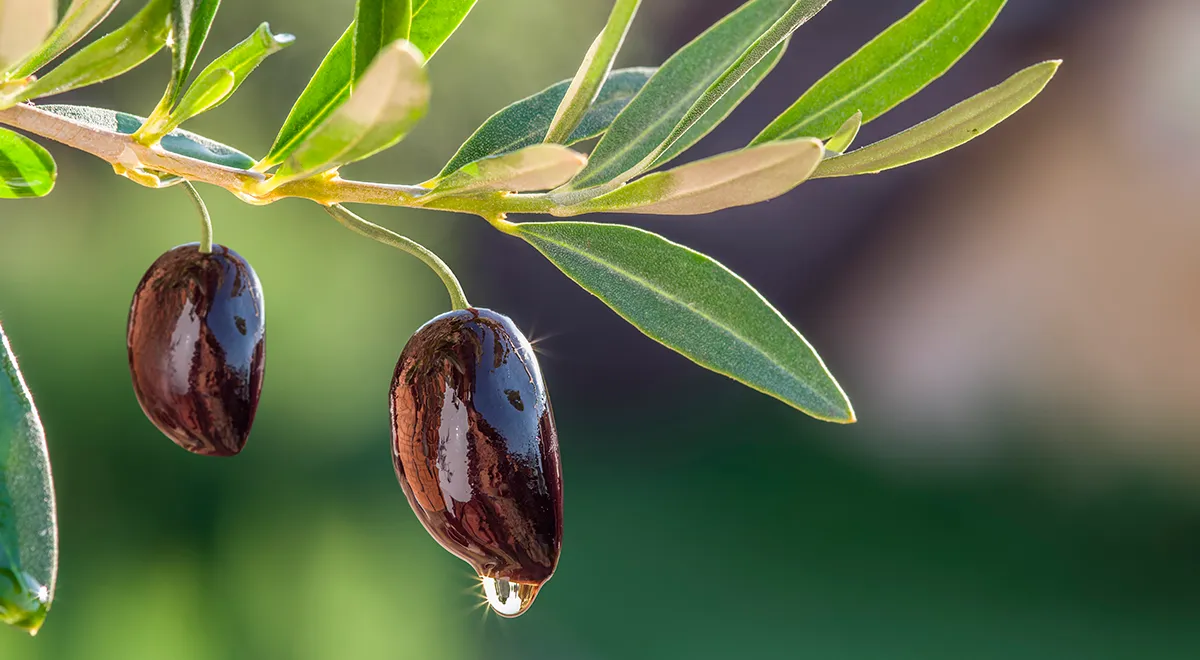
column 844, row 137
column 326, row 91
column 23, row 25
column 954, row 127
column 209, row 90
column 688, row 85
column 180, row 142
column 538, row 167
column 392, row 98
column 110, row 56
column 28, row 522
column 81, row 17
column 330, row 86
column 692, row 304
column 739, row 178
column 26, row 169
column 378, row 23
column 592, row 74
column 190, row 22
column 218, row 81
column 433, row 21
column 893, row 66
column 723, row 108
column 527, row 121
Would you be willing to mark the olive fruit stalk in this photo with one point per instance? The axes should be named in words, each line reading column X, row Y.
column 476, row 451
column 195, row 342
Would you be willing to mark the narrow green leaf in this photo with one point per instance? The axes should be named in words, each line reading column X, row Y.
column 393, row 97
column 220, row 79
column 28, row 521
column 190, row 22
column 326, row 91
column 537, row 167
column 26, row 169
column 739, row 178
column 110, row 56
column 689, row 84
column 766, row 49
column 433, row 21
column 898, row 63
column 956, row 126
column 723, row 108
column 181, row 142
column 592, row 74
column 80, row 19
column 844, row 137
column 378, row 23
column 526, row 122
column 694, row 305
column 23, row 25
column 210, row 89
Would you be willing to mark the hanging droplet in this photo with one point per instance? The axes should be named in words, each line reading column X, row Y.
column 23, row 601
column 509, row 599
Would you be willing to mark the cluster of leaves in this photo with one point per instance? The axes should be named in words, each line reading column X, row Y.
column 372, row 89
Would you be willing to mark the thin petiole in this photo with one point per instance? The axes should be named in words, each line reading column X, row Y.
column 206, row 230
column 458, row 299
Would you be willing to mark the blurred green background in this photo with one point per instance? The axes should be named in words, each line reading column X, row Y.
column 1052, row 514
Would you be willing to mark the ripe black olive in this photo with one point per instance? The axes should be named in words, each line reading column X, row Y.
column 196, row 348
column 476, row 451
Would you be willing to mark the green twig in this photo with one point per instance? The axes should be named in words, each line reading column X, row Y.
column 206, row 230
column 458, row 299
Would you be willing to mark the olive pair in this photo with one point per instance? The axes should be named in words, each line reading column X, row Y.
column 473, row 436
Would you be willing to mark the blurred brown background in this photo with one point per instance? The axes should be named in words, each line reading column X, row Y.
column 1014, row 321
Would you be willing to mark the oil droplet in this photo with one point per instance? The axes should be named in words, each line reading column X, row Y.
column 23, row 601
column 509, row 599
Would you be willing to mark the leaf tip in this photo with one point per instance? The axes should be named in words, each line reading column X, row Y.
column 837, row 411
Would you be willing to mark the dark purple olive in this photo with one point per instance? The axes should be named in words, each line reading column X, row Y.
column 196, row 348
column 476, row 451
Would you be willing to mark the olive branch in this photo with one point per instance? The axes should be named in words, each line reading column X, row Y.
column 372, row 89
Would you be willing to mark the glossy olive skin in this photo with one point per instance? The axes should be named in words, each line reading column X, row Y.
column 475, row 446
column 195, row 342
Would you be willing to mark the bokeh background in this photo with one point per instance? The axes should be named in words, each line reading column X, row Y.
column 1017, row 323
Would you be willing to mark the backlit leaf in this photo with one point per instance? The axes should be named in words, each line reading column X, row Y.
column 723, row 108
column 190, row 22
column 110, row 56
column 23, row 25
column 844, row 137
column 433, row 21
column 694, row 305
column 28, row 521
column 26, row 169
column 688, row 85
column 956, row 126
column 392, row 98
column 597, row 64
column 892, row 67
column 537, row 167
column 326, row 91
column 81, row 17
column 740, row 178
column 219, row 80
column 378, row 23
column 527, row 121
